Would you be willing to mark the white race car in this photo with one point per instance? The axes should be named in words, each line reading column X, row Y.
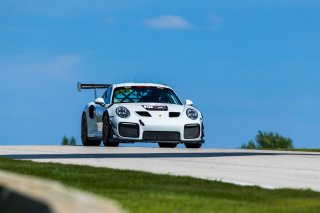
column 140, row 112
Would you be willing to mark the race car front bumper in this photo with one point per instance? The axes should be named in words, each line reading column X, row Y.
column 178, row 130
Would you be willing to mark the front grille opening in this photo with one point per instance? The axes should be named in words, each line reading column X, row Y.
column 174, row 114
column 143, row 113
column 161, row 136
column 130, row 130
column 191, row 131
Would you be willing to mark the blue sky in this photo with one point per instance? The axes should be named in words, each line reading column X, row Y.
column 247, row 65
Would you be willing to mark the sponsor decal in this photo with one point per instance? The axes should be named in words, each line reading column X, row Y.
column 155, row 107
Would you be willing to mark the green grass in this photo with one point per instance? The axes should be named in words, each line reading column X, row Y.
column 145, row 192
column 302, row 150
column 293, row 149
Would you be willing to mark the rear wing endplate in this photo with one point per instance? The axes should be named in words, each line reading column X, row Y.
column 81, row 86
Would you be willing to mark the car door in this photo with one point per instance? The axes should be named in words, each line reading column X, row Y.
column 100, row 109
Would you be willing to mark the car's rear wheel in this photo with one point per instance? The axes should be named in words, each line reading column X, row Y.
column 167, row 145
column 107, row 132
column 84, row 133
column 193, row 145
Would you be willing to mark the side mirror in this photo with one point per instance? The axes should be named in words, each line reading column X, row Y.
column 189, row 102
column 99, row 101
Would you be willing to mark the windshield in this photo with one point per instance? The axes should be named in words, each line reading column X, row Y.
column 142, row 94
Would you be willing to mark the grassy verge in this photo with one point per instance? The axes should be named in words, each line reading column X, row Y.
column 145, row 192
column 302, row 150
column 294, row 149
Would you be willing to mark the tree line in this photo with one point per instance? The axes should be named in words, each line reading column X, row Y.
column 269, row 140
column 263, row 140
column 67, row 141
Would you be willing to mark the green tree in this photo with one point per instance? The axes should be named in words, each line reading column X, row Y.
column 65, row 141
column 250, row 145
column 72, row 141
column 269, row 140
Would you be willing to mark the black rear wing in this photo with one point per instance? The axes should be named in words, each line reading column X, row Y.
column 81, row 86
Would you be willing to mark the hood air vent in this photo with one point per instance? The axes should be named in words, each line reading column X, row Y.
column 174, row 114
column 143, row 113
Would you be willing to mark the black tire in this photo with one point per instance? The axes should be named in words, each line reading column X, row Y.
column 84, row 133
column 193, row 145
column 107, row 132
column 167, row 145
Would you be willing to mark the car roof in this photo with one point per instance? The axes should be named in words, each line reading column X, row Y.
column 140, row 84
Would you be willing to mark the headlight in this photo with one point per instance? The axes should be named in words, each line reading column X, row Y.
column 122, row 112
column 192, row 114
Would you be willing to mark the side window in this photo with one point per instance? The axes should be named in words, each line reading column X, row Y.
column 107, row 95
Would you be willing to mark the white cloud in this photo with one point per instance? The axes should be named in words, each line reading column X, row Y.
column 216, row 21
column 10, row 29
column 111, row 21
column 62, row 64
column 26, row 68
column 168, row 22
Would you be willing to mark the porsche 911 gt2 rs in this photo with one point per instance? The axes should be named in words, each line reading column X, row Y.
column 140, row 112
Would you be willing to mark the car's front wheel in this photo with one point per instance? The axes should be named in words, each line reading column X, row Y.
column 107, row 132
column 84, row 133
column 167, row 145
column 193, row 145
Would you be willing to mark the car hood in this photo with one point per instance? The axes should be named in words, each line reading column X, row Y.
column 153, row 107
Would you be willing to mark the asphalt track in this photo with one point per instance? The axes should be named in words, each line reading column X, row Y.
column 268, row 169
